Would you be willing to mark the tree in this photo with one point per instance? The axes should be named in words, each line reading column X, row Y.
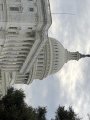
column 13, row 107
column 41, row 111
column 62, row 114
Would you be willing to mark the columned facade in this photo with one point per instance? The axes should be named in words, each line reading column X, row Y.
column 24, row 28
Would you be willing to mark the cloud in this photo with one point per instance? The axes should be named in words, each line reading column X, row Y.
column 73, row 31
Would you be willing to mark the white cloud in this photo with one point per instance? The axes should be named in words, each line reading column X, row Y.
column 73, row 33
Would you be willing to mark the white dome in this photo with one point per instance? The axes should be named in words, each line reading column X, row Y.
column 58, row 55
column 50, row 60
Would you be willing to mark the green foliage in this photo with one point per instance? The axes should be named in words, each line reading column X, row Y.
column 13, row 107
column 41, row 111
column 62, row 114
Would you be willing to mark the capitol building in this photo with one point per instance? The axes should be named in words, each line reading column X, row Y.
column 26, row 51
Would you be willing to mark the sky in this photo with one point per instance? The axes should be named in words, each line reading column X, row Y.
column 71, row 85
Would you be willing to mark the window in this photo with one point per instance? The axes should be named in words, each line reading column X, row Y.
column 1, row 7
column 18, row 0
column 13, row 28
column 16, row 8
column 56, row 51
column 30, row 28
column 31, row 9
column 13, row 33
column 30, row 34
column 1, row 28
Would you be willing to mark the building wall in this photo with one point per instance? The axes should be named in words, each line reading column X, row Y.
column 24, row 28
column 21, row 12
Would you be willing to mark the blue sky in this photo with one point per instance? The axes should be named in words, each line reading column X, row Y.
column 71, row 85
